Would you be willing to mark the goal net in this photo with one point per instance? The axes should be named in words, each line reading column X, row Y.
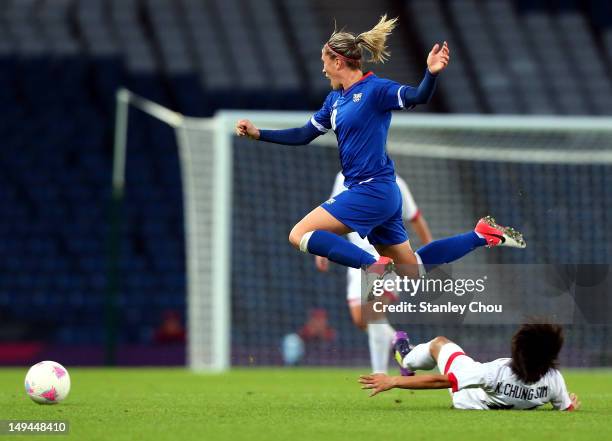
column 248, row 289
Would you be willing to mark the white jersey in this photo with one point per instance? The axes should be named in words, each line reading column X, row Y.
column 494, row 385
column 410, row 211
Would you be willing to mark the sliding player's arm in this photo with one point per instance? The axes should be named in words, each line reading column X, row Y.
column 561, row 399
column 382, row 382
column 575, row 403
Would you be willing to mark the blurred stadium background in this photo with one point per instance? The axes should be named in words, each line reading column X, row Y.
column 62, row 61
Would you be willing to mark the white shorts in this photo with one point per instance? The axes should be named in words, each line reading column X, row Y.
column 453, row 362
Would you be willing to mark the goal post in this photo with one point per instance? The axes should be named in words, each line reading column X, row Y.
column 205, row 161
column 456, row 165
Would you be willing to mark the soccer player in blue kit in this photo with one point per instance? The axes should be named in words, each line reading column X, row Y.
column 358, row 110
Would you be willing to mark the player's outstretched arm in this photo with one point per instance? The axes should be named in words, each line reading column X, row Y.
column 297, row 136
column 382, row 382
column 438, row 58
column 244, row 127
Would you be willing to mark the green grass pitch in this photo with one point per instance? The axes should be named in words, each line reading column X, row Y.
column 289, row 404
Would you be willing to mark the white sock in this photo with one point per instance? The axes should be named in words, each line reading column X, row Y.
column 419, row 358
column 304, row 242
column 380, row 337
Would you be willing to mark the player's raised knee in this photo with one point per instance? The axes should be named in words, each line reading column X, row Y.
column 299, row 239
column 295, row 236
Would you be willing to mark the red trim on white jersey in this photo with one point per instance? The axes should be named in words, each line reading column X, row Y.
column 450, row 361
column 453, row 381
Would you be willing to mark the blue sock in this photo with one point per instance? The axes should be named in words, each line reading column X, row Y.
column 339, row 250
column 450, row 249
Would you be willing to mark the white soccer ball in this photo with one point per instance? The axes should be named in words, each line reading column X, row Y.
column 47, row 382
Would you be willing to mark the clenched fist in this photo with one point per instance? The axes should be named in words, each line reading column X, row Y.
column 244, row 127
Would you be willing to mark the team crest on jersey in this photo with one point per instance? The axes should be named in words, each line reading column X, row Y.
column 356, row 97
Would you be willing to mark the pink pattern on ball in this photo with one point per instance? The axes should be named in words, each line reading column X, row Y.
column 59, row 372
column 50, row 395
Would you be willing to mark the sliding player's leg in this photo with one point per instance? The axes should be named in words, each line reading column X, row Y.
column 444, row 351
column 450, row 359
column 440, row 351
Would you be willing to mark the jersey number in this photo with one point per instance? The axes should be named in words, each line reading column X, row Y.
column 333, row 119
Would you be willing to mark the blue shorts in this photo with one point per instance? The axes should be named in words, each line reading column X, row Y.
column 373, row 210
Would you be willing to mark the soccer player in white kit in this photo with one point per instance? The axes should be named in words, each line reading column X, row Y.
column 380, row 332
column 527, row 380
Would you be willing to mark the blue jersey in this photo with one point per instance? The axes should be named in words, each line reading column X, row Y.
column 360, row 117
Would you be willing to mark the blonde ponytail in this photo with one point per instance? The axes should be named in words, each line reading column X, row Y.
column 350, row 48
column 374, row 39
